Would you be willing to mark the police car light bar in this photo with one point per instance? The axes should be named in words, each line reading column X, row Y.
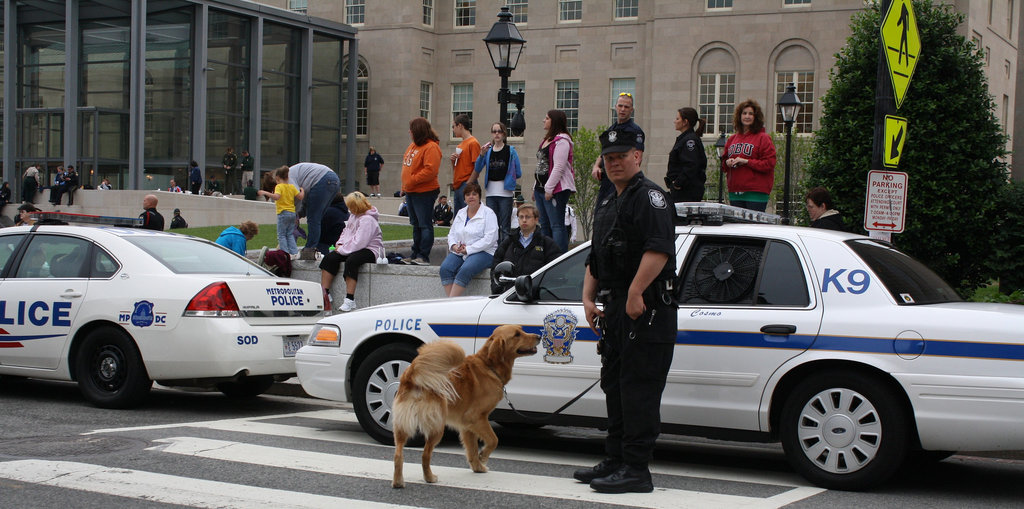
column 68, row 218
column 717, row 213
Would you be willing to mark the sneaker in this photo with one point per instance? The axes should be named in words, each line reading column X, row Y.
column 348, row 305
column 606, row 467
column 627, row 479
column 419, row 261
column 294, row 256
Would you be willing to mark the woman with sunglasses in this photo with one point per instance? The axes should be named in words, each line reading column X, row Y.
column 501, row 163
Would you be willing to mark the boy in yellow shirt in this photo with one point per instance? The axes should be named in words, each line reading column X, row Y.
column 284, row 197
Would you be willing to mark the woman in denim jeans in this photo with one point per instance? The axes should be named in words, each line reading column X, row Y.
column 500, row 164
column 471, row 243
column 419, row 181
column 556, row 178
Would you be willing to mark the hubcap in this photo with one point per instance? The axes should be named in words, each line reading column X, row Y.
column 381, row 389
column 839, row 430
column 108, row 368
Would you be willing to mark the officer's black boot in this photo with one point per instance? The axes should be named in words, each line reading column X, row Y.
column 627, row 479
column 605, row 468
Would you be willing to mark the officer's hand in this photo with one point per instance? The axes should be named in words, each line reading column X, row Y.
column 596, row 171
column 592, row 313
column 635, row 306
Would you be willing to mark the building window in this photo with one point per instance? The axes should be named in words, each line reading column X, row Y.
column 567, row 99
column 298, row 5
column 804, row 82
column 513, row 87
column 797, row 2
column 518, row 10
column 626, row 8
column 426, row 92
column 428, row 12
column 621, row 86
column 719, row 4
column 355, row 12
column 465, row 13
column 462, row 101
column 716, row 101
column 570, row 10
column 362, row 100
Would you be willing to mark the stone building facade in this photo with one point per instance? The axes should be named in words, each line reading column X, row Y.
column 427, row 57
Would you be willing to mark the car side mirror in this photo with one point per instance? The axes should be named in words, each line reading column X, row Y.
column 524, row 288
column 501, row 275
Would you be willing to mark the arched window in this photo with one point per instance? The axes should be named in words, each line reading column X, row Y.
column 795, row 63
column 716, row 88
column 362, row 98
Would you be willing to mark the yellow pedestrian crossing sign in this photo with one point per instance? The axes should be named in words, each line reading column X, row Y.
column 895, row 137
column 902, row 46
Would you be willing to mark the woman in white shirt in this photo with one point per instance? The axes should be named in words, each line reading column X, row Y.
column 471, row 243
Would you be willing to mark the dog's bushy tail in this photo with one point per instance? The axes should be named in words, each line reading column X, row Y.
column 435, row 361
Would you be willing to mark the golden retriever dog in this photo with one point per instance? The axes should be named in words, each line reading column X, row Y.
column 444, row 386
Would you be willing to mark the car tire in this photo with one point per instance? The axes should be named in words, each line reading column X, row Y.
column 844, row 430
column 374, row 389
column 110, row 371
column 246, row 387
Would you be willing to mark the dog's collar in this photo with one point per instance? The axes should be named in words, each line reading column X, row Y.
column 496, row 375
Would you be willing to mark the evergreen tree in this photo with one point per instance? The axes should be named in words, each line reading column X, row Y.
column 953, row 150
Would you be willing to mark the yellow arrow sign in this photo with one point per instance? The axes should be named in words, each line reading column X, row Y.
column 902, row 46
column 895, row 137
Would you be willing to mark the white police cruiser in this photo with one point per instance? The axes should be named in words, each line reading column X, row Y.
column 116, row 308
column 853, row 355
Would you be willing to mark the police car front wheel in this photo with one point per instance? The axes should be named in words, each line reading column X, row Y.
column 110, row 371
column 844, row 430
column 374, row 389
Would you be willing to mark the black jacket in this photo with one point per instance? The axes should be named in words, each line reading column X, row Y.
column 332, row 224
column 687, row 164
column 526, row 259
column 830, row 222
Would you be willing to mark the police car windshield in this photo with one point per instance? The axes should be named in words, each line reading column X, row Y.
column 185, row 255
column 908, row 280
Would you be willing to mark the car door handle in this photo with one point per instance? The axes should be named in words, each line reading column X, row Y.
column 781, row 329
column 71, row 294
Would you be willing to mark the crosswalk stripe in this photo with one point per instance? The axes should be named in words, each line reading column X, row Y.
column 169, row 489
column 255, row 425
column 494, row 481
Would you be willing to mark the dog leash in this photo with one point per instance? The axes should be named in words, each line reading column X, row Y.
column 551, row 415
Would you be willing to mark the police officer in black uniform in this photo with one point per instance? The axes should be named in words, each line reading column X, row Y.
column 630, row 270
column 623, row 122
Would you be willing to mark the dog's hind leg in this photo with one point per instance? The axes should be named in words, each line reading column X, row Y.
column 433, row 438
column 398, row 481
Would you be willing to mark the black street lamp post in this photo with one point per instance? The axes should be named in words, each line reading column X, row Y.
column 789, row 105
column 505, row 45
column 720, row 150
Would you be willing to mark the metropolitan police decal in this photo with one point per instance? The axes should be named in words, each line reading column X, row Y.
column 657, row 199
column 144, row 315
column 559, row 333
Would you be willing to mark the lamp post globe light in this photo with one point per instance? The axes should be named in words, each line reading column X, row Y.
column 720, row 150
column 505, row 45
column 789, row 106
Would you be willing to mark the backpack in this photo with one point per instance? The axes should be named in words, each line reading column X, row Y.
column 279, row 262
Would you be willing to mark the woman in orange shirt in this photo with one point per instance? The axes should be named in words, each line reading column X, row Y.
column 419, row 181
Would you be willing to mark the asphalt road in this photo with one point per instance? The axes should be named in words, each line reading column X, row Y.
column 194, row 449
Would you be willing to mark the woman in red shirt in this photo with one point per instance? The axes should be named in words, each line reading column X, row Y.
column 749, row 160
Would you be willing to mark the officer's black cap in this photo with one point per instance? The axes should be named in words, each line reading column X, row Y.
column 617, row 140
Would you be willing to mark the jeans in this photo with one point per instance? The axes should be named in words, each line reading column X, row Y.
column 552, row 216
column 316, row 202
column 286, row 231
column 461, row 272
column 421, row 215
column 759, row 206
column 502, row 207
column 459, row 200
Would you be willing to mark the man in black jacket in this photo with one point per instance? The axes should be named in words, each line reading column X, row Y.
column 527, row 248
